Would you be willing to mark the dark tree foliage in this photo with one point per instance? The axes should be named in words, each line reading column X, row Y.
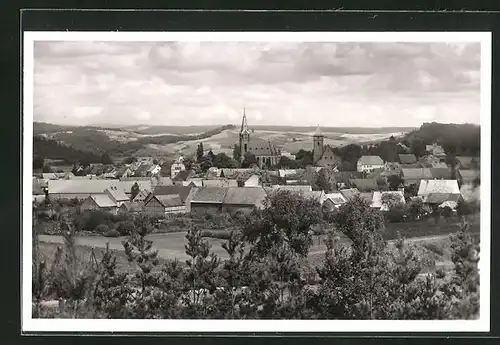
column 303, row 159
column 130, row 160
column 54, row 150
column 249, row 160
column 463, row 139
column 134, row 190
column 221, row 160
column 205, row 163
column 199, row 153
column 38, row 162
column 322, row 182
column 394, row 182
column 236, row 152
column 211, row 156
column 106, row 159
column 286, row 163
column 286, row 217
column 350, row 155
column 266, row 274
column 188, row 163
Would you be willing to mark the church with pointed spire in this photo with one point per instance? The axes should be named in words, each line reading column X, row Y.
column 264, row 151
column 323, row 155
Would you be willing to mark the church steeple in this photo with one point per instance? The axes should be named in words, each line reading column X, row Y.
column 244, row 125
column 244, row 136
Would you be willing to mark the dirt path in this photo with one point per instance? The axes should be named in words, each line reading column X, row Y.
column 171, row 245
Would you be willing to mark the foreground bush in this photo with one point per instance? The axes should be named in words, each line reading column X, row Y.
column 112, row 233
column 267, row 276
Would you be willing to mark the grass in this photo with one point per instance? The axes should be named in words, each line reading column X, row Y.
column 429, row 228
column 172, row 245
column 84, row 253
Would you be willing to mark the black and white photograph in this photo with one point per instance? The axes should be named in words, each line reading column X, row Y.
column 228, row 182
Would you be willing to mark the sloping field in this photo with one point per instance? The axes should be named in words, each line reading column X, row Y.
column 287, row 141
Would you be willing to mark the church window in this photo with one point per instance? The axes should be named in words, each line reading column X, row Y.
column 245, row 147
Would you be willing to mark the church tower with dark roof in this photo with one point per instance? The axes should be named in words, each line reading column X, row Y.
column 318, row 147
column 244, row 137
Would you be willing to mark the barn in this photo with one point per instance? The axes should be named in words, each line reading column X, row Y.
column 99, row 202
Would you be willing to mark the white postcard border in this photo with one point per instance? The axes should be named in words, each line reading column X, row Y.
column 72, row 325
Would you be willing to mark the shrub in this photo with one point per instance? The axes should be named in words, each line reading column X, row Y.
column 112, row 233
column 447, row 212
column 125, row 228
column 396, row 214
column 102, row 228
column 89, row 220
column 440, row 274
column 220, row 234
column 434, row 247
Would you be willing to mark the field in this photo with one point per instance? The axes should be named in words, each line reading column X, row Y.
column 289, row 141
column 141, row 139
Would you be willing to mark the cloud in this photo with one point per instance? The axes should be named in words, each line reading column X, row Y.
column 333, row 84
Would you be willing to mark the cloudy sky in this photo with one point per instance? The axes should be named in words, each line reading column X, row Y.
column 184, row 83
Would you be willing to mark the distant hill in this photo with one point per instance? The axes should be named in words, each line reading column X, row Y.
column 47, row 128
column 463, row 139
column 344, row 130
column 105, row 139
column 52, row 149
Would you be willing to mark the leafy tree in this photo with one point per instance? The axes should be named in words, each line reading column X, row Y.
column 106, row 159
column 447, row 212
column 286, row 216
column 236, row 152
column 362, row 224
column 130, row 160
column 397, row 213
column 465, row 208
column 134, row 190
column 211, row 156
column 199, row 152
column 38, row 162
column 394, row 182
column 391, row 200
column 463, row 290
column 411, row 190
column 285, row 163
column 303, row 158
column 418, row 147
column 221, row 160
column 249, row 160
column 322, row 182
column 188, row 163
column 416, row 208
column 303, row 154
column 205, row 164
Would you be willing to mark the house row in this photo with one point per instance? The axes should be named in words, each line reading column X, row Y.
column 110, row 200
column 82, row 189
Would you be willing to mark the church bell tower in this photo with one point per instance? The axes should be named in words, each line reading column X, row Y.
column 244, row 137
column 318, row 139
